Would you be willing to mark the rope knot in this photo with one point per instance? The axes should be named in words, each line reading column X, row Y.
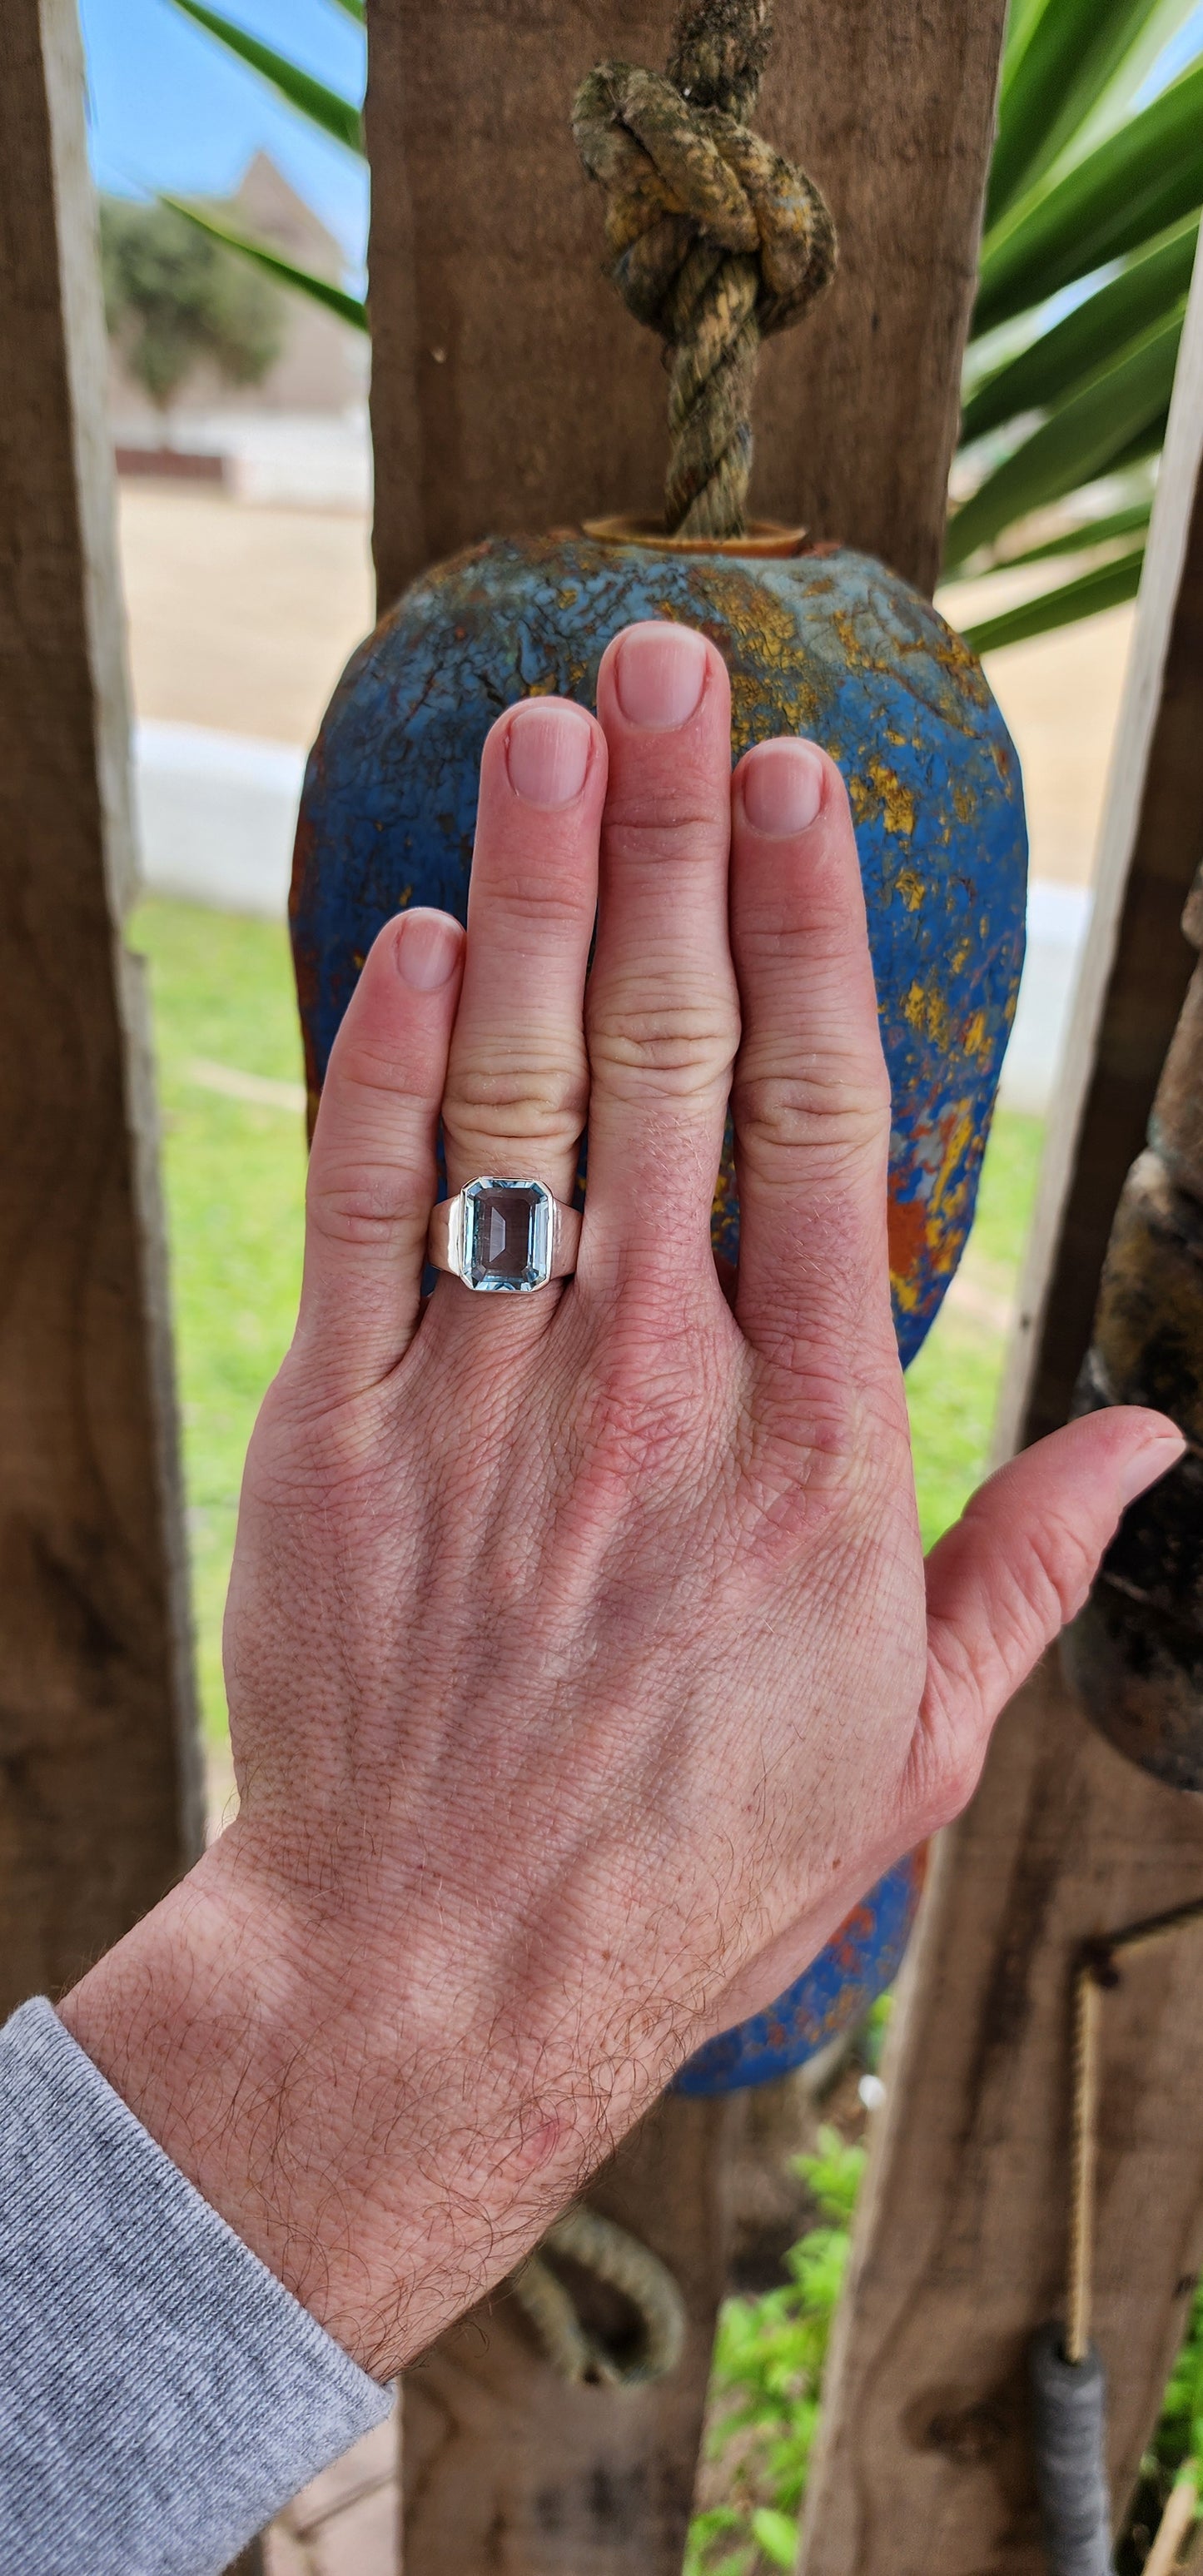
column 714, row 239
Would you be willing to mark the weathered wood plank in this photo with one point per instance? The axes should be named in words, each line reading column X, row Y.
column 510, row 388
column 1138, row 962
column 508, row 2470
column 924, row 2468
column 99, row 1789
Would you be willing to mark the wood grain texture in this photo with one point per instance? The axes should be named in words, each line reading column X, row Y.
column 925, row 2467
column 1138, row 962
column 510, row 388
column 99, row 1786
column 508, row 2471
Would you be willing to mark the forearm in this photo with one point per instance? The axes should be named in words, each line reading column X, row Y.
column 354, row 2108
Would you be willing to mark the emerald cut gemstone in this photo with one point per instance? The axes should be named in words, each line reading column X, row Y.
column 507, row 1234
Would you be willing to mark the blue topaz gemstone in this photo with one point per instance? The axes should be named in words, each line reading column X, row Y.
column 507, row 1234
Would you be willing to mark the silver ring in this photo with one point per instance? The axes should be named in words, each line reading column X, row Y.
column 507, row 1235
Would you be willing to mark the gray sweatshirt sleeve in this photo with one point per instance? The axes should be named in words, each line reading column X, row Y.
column 161, row 2393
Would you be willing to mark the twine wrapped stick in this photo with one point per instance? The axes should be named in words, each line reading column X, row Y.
column 714, row 240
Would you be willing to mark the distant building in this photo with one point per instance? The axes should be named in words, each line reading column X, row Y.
column 323, row 366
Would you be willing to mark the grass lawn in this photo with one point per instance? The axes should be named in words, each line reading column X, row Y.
column 234, row 1173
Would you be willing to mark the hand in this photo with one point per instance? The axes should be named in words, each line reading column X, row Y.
column 580, row 1669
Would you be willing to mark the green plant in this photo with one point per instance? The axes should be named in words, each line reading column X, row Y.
column 1176, row 2444
column 766, row 2385
column 1091, row 222
column 768, row 2365
column 174, row 298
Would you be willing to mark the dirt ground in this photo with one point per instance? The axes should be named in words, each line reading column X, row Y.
column 242, row 618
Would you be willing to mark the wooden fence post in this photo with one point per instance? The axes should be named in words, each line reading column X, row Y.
column 100, row 1804
column 511, row 390
column 924, row 2467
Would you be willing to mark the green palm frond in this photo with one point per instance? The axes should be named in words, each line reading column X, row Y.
column 1134, row 184
column 313, row 99
column 1106, row 587
column 320, row 290
column 1082, row 436
column 1087, row 535
column 1094, row 202
column 1057, row 66
column 1154, row 283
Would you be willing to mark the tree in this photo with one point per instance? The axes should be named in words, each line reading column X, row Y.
column 174, row 297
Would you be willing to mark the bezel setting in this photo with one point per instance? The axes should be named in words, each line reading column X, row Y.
column 479, row 1263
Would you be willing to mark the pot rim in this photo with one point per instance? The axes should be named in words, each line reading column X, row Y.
column 765, row 537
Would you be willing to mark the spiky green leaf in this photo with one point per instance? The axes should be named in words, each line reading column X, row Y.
column 1079, row 441
column 1050, row 84
column 1163, row 20
column 1132, row 187
column 320, row 290
column 1105, row 587
column 1085, row 339
column 313, row 99
column 1087, row 534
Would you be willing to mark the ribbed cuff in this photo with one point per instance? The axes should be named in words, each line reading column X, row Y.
column 161, row 2393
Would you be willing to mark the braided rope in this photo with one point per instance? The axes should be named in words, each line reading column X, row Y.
column 714, row 240
column 600, row 2246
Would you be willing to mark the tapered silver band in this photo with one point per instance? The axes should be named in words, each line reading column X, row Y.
column 508, row 1236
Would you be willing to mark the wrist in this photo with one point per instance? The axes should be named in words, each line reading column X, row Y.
column 381, row 2156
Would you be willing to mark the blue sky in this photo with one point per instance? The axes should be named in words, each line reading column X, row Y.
column 169, row 109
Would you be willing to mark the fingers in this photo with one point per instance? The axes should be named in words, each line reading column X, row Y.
column 372, row 1173
column 517, row 1082
column 1016, row 1566
column 810, row 1096
column 662, row 1008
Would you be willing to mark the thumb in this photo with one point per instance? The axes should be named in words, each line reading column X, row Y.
column 1009, row 1575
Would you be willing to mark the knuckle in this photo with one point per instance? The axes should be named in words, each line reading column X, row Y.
column 541, row 1098
column 663, row 823
column 361, row 1203
column 540, row 895
column 372, row 1079
column 1055, row 1571
column 953, row 1782
column 824, row 1110
column 686, row 1040
column 309, row 1446
column 950, row 1738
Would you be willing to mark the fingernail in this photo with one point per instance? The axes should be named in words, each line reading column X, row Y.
column 428, row 946
column 782, row 786
column 547, row 752
column 659, row 674
column 1154, row 1460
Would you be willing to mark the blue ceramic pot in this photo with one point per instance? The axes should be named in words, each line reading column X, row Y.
column 826, row 643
